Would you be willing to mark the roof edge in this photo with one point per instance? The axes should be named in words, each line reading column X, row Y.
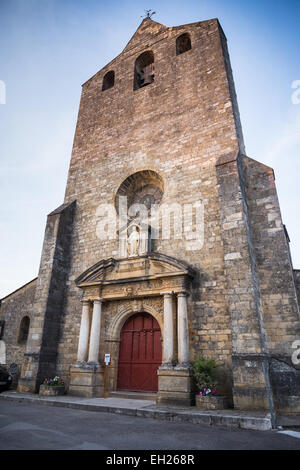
column 19, row 288
column 167, row 27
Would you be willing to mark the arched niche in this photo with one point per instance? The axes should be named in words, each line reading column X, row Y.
column 143, row 187
column 24, row 330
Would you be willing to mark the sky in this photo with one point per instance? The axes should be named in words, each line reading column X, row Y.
column 48, row 48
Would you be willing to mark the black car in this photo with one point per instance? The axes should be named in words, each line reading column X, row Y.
column 5, row 378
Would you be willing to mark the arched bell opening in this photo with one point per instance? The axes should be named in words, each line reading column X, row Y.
column 144, row 70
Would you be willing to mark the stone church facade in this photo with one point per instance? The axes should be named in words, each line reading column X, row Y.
column 159, row 127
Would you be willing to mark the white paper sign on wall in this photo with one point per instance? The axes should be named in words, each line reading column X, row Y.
column 107, row 359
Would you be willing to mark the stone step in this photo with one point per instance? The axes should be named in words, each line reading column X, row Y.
column 133, row 395
column 259, row 421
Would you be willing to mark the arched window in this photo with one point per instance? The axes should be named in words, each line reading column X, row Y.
column 183, row 43
column 24, row 329
column 108, row 80
column 143, row 70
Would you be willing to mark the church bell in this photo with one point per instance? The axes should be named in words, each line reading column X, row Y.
column 148, row 74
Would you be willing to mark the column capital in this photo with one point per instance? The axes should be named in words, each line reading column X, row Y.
column 167, row 293
column 98, row 300
column 182, row 293
column 85, row 301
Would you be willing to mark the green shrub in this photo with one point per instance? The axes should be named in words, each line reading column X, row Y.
column 205, row 373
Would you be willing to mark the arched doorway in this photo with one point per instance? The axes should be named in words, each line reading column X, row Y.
column 140, row 354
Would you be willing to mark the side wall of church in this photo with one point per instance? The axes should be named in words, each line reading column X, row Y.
column 13, row 309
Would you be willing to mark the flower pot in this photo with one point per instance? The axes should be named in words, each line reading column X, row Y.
column 51, row 390
column 211, row 402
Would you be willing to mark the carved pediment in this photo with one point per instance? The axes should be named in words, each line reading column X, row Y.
column 142, row 268
column 96, row 273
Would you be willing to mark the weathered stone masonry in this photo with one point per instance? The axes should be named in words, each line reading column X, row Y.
column 234, row 299
column 297, row 283
column 14, row 308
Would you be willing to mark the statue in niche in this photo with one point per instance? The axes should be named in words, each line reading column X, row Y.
column 133, row 242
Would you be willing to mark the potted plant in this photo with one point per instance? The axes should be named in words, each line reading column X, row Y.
column 205, row 373
column 52, row 387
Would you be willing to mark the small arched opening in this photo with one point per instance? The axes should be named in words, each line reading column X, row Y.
column 108, row 80
column 183, row 43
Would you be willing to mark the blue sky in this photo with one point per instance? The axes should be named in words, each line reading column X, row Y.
column 50, row 47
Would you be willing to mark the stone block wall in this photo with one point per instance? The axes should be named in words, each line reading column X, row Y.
column 280, row 317
column 249, row 375
column 275, row 272
column 297, row 283
column 178, row 127
column 48, row 307
column 13, row 309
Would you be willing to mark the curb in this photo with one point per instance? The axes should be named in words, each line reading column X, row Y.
column 257, row 423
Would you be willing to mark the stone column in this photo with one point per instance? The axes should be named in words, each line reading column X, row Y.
column 174, row 383
column 182, row 331
column 83, row 342
column 168, row 344
column 95, row 332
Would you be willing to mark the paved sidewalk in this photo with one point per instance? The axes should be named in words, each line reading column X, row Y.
column 147, row 408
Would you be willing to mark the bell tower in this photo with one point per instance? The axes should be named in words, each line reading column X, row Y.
column 160, row 126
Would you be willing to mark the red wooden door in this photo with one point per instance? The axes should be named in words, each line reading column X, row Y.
column 140, row 354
